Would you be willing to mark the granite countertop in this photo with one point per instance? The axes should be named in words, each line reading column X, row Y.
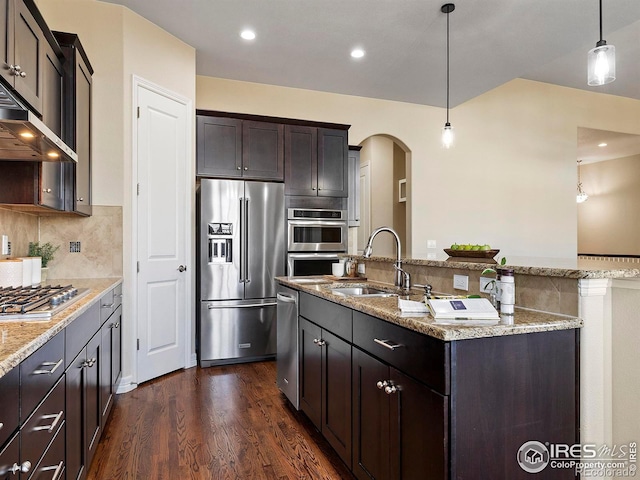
column 386, row 308
column 577, row 268
column 19, row 339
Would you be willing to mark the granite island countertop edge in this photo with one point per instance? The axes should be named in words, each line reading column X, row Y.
column 385, row 308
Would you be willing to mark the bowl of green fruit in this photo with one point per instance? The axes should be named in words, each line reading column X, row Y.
column 469, row 250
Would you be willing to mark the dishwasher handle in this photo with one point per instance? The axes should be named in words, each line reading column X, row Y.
column 286, row 298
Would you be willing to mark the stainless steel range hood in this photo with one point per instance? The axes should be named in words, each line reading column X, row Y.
column 23, row 136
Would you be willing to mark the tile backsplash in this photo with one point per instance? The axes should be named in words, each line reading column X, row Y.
column 98, row 239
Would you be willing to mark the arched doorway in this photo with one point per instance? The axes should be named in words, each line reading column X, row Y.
column 385, row 186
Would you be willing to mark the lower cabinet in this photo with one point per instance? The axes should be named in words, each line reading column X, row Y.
column 110, row 362
column 325, row 385
column 10, row 466
column 400, row 426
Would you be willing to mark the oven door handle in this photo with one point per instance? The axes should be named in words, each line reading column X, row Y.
column 318, row 223
column 308, row 256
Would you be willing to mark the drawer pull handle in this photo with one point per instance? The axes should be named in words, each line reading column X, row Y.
column 108, row 306
column 388, row 344
column 52, row 427
column 381, row 384
column 47, row 364
column 58, row 470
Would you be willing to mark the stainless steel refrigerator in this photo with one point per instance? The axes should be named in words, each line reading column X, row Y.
column 241, row 249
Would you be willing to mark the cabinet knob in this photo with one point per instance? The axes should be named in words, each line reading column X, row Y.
column 381, row 384
column 46, row 190
column 246, row 168
column 389, row 389
column 81, row 199
column 313, row 188
column 239, row 168
column 24, row 467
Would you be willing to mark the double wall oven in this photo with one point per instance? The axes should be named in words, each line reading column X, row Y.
column 315, row 237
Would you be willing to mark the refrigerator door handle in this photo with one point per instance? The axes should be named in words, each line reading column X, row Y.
column 246, row 240
column 253, row 305
column 242, row 242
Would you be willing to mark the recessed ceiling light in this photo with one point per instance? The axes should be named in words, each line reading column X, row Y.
column 602, row 144
column 248, row 34
column 357, row 53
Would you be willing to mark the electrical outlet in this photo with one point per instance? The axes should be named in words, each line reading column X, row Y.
column 461, row 282
column 431, row 244
column 431, row 256
column 486, row 284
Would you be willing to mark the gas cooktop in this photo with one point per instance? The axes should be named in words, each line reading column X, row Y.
column 38, row 303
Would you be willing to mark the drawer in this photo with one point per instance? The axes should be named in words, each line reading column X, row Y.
column 52, row 465
column 39, row 372
column 9, row 403
column 80, row 331
column 330, row 316
column 424, row 358
column 38, row 432
column 109, row 302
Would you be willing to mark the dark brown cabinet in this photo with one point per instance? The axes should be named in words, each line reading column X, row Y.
column 10, row 459
column 234, row 148
column 316, row 161
column 23, row 45
column 400, row 426
column 110, row 362
column 76, row 129
column 325, row 379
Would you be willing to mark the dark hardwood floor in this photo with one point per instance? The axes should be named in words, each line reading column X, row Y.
column 227, row 422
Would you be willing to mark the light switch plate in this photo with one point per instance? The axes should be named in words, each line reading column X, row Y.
column 461, row 282
column 431, row 244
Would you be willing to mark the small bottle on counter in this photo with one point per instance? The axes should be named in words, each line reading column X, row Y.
column 507, row 291
column 350, row 268
column 361, row 270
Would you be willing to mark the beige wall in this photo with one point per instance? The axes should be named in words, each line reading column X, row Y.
column 399, row 208
column 608, row 220
column 510, row 180
column 21, row 228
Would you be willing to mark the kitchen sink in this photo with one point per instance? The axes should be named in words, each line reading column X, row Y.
column 361, row 292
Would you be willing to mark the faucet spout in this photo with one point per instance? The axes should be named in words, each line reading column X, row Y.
column 399, row 279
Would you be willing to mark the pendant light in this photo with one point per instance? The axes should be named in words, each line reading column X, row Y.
column 447, row 130
column 582, row 196
column 601, row 67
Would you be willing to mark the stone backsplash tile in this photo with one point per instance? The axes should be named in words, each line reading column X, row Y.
column 21, row 228
column 100, row 237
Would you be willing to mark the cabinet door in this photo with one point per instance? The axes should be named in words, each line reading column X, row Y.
column 262, row 150
column 218, row 146
column 419, row 427
column 10, row 459
column 81, row 197
column 106, row 391
column 9, row 403
column 336, row 392
column 371, row 457
column 310, row 371
column 29, row 54
column 6, row 40
column 300, row 160
column 354, row 188
column 333, row 177
column 75, row 453
column 116, row 349
column 92, row 412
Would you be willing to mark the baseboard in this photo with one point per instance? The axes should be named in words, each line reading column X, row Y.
column 125, row 385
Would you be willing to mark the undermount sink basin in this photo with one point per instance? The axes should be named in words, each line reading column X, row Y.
column 361, row 292
column 308, row 280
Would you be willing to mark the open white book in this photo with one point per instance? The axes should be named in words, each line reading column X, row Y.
column 476, row 311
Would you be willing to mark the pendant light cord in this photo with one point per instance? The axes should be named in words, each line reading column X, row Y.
column 448, row 64
column 600, row 20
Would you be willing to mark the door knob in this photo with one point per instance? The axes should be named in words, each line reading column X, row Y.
column 182, row 268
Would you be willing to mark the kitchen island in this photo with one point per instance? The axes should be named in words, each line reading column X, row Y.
column 399, row 396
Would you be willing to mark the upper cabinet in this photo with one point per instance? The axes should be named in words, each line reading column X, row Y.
column 76, row 128
column 237, row 148
column 316, row 161
column 22, row 47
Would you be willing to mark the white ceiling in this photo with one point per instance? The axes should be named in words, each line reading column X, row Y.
column 306, row 43
column 619, row 145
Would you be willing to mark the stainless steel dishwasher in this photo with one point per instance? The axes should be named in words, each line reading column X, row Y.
column 287, row 344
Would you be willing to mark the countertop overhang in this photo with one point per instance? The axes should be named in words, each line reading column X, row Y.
column 386, row 308
column 19, row 339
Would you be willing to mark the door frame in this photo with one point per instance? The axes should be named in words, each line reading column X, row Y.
column 189, row 313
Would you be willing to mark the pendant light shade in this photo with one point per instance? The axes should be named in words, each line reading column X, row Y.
column 601, row 61
column 447, row 130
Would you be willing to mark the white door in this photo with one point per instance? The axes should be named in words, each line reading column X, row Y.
column 162, row 252
column 364, row 230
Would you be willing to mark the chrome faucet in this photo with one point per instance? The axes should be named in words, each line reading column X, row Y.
column 402, row 278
